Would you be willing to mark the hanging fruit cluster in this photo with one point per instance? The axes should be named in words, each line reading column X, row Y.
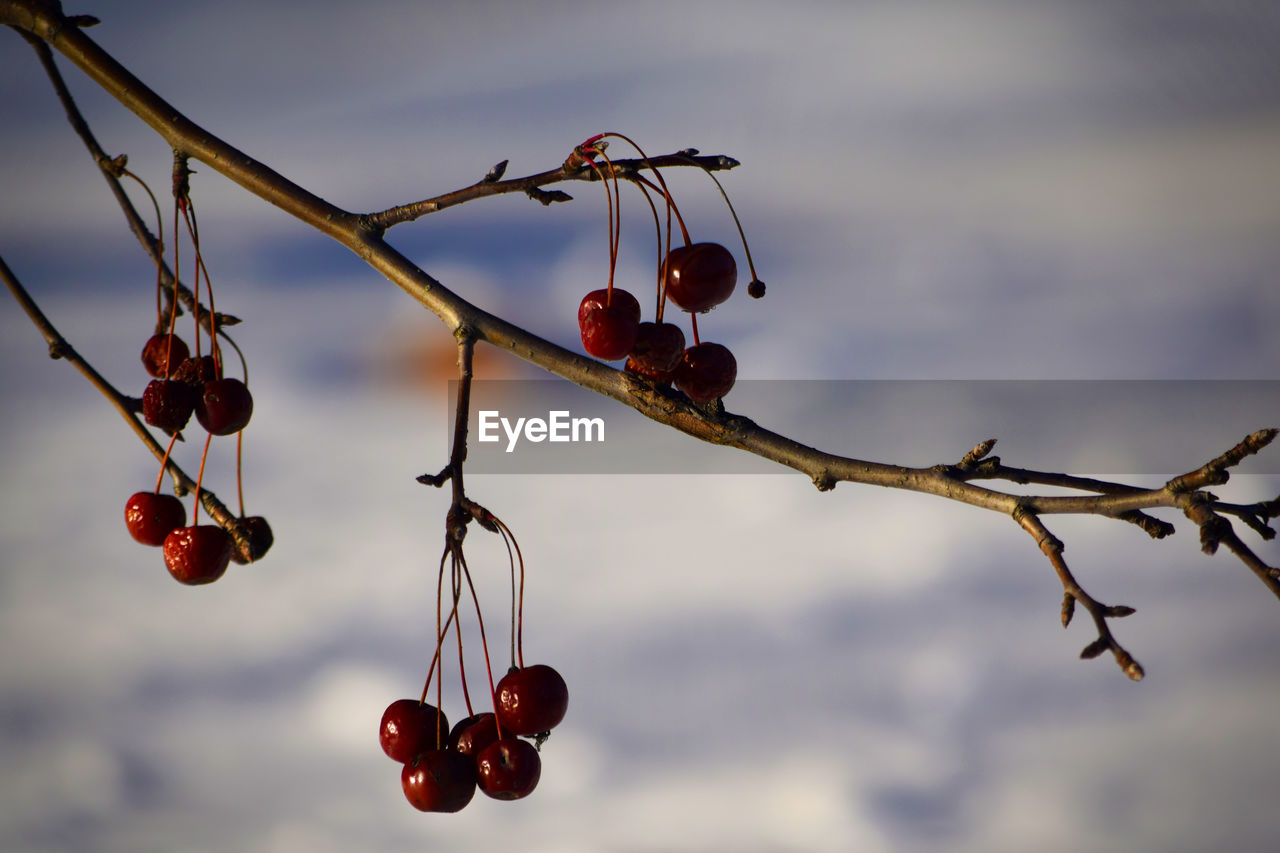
column 185, row 383
column 496, row 751
column 695, row 277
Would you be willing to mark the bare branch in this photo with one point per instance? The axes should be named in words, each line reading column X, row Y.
column 128, row 407
column 363, row 235
column 1053, row 548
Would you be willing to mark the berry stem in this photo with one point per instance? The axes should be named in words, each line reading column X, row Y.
column 741, row 234
column 693, row 321
column 462, row 667
column 484, row 643
column 614, row 201
column 204, row 456
column 240, row 470
column 657, row 227
column 189, row 215
column 159, row 242
column 164, row 463
column 439, row 630
column 517, row 605
column 671, row 202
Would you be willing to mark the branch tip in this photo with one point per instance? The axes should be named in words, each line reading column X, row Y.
column 495, row 174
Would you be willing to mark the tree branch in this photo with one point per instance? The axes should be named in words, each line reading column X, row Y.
column 128, row 407
column 363, row 235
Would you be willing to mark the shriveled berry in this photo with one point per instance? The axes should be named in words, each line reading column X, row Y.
column 197, row 371
column 260, row 539
column 167, row 404
column 162, row 354
column 707, row 371
column 199, row 554
column 657, row 351
column 151, row 517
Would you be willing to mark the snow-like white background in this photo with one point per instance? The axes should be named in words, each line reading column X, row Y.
column 934, row 190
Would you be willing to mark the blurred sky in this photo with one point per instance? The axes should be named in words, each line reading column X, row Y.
column 933, row 190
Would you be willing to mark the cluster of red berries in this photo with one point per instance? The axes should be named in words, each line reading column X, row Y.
column 443, row 766
column 496, row 751
column 695, row 277
column 182, row 385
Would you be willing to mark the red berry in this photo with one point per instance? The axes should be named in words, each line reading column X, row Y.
column 657, row 351
column 621, row 299
column 151, row 517
column 260, row 539
column 472, row 734
column 167, row 404
column 197, row 371
column 197, row 555
column 608, row 323
column 224, row 406
column 532, row 700
column 439, row 780
column 162, row 354
column 508, row 769
column 700, row 276
column 410, row 727
column 706, row 372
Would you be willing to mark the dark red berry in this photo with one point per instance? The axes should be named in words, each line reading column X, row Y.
column 151, row 517
column 621, row 299
column 224, row 406
column 162, row 354
column 197, row 371
column 197, row 555
column 260, row 539
column 532, row 700
column 472, row 734
column 410, row 727
column 706, row 372
column 439, row 781
column 508, row 769
column 608, row 324
column 657, row 351
column 700, row 276
column 167, row 404
column 755, row 289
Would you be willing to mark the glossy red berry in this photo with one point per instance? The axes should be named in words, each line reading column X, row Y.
column 700, row 276
column 508, row 769
column 474, row 733
column 162, row 354
column 657, row 351
column 532, row 700
column 260, row 539
column 198, row 555
column 224, row 406
column 151, row 517
column 439, row 780
column 167, row 404
column 608, row 323
column 410, row 727
column 706, row 372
